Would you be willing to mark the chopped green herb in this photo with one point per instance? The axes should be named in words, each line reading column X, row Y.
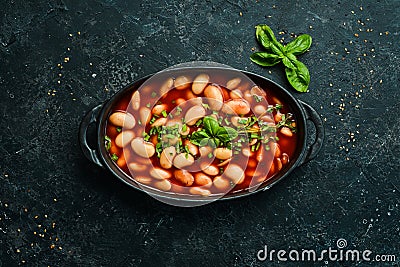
column 199, row 122
column 159, row 149
column 187, row 149
column 257, row 98
column 205, row 106
column 153, row 94
column 170, row 136
column 114, row 157
column 107, row 142
column 184, row 128
column 119, row 129
column 164, row 113
column 210, row 155
column 146, row 137
column 148, row 105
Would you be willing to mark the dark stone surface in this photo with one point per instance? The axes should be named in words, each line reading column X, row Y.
column 58, row 209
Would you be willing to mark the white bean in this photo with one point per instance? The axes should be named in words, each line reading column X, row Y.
column 163, row 185
column 202, row 179
column 235, row 173
column 275, row 149
column 238, row 121
column 194, row 114
column 260, row 153
column 182, row 82
column 223, row 153
column 247, row 152
column 200, row 191
column 123, row 119
column 205, row 150
column 145, row 115
column 159, row 173
column 135, row 100
column 158, row 109
column 209, row 169
column 268, row 118
column 183, row 160
column 221, row 183
column 215, row 97
column 255, row 90
column 166, row 86
column 193, row 149
column 199, row 83
column 235, row 94
column 124, row 138
column 286, row 131
column 195, row 101
column 259, row 109
column 233, row 83
column 279, row 164
column 142, row 148
column 285, row 158
column 167, row 156
column 134, row 166
column 143, row 179
column 236, row 106
column 185, row 177
column 159, row 122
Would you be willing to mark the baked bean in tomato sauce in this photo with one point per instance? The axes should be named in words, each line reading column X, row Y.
column 200, row 134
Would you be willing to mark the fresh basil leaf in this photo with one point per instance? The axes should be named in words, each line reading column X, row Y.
column 210, row 125
column 299, row 45
column 205, row 142
column 288, row 63
column 198, row 137
column 298, row 77
column 214, row 143
column 226, row 134
column 265, row 59
column 267, row 39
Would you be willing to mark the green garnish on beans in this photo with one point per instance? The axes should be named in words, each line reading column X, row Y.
column 213, row 134
column 296, row 72
column 114, row 157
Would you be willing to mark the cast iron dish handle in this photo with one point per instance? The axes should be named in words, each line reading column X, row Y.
column 313, row 149
column 90, row 117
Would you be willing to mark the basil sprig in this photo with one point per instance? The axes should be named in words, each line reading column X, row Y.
column 296, row 72
column 213, row 134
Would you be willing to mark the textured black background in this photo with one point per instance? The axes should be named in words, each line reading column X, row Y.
column 58, row 209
